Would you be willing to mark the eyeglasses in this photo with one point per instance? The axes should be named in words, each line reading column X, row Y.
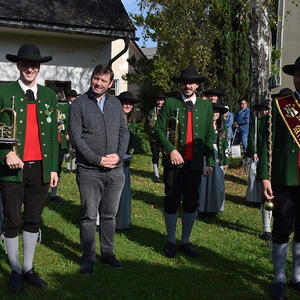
column 243, row 103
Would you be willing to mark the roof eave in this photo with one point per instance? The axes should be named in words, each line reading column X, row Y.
column 104, row 32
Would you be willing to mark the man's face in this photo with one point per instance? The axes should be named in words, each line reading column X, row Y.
column 297, row 80
column 160, row 102
column 243, row 104
column 213, row 98
column 189, row 88
column 100, row 83
column 28, row 71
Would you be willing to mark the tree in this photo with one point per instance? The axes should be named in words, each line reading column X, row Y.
column 261, row 48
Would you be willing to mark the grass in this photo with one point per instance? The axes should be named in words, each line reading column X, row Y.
column 234, row 262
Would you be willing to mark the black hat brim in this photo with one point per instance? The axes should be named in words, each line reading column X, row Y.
column 199, row 79
column 129, row 99
column 220, row 108
column 16, row 58
column 213, row 92
column 290, row 69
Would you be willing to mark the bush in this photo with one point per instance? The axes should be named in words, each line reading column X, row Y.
column 141, row 144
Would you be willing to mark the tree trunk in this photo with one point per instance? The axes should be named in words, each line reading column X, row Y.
column 261, row 47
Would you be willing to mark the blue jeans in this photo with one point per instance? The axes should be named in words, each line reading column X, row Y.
column 99, row 191
column 242, row 137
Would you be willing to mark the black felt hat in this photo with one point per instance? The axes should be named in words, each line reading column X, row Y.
column 159, row 95
column 213, row 92
column 290, row 69
column 73, row 93
column 189, row 74
column 220, row 108
column 28, row 52
column 128, row 97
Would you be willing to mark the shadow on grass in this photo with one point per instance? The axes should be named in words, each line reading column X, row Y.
column 150, row 275
column 61, row 244
column 235, row 179
column 141, row 173
column 147, row 197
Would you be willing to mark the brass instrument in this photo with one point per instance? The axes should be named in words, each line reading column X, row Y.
column 173, row 129
column 269, row 205
column 152, row 119
column 8, row 133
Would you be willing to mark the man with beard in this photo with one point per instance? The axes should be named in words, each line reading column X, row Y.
column 183, row 158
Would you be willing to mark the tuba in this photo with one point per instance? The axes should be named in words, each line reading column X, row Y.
column 173, row 129
column 8, row 133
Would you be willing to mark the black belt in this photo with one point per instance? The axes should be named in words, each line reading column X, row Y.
column 31, row 162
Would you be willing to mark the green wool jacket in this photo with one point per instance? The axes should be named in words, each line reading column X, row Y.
column 284, row 154
column 63, row 118
column 46, row 111
column 203, row 132
column 223, row 151
column 252, row 144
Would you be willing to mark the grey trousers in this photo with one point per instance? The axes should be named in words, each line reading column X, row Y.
column 99, row 191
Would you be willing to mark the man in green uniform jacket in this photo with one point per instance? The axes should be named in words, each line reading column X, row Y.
column 27, row 170
column 279, row 172
column 183, row 158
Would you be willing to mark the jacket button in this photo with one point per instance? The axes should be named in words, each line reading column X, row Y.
column 45, row 155
column 292, row 151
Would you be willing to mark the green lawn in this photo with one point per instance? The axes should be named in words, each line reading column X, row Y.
column 234, row 263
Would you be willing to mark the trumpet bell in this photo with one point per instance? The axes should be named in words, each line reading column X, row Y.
column 268, row 205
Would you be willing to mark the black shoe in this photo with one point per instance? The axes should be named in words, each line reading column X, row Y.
column 188, row 250
column 110, row 259
column 266, row 236
column 15, row 282
column 156, row 179
column 67, row 171
column 34, row 278
column 57, row 199
column 294, row 286
column 87, row 266
column 170, row 249
column 278, row 291
column 74, row 171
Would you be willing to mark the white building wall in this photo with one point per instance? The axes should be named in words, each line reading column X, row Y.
column 287, row 39
column 74, row 57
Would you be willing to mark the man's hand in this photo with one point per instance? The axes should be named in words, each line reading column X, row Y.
column 267, row 189
column 54, row 179
column 255, row 157
column 13, row 161
column 176, row 158
column 207, row 171
column 109, row 161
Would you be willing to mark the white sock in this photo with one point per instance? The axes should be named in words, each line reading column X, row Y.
column 171, row 222
column 266, row 219
column 155, row 169
column 296, row 262
column 67, row 158
column 12, row 246
column 187, row 226
column 279, row 254
column 29, row 244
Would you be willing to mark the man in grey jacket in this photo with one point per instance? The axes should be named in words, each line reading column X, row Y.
column 99, row 134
